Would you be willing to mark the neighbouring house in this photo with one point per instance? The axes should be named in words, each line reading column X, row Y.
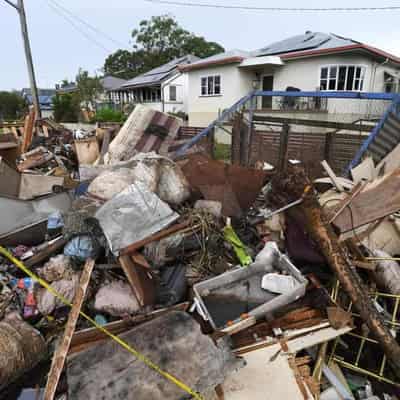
column 112, row 93
column 45, row 100
column 308, row 62
column 164, row 88
column 112, row 89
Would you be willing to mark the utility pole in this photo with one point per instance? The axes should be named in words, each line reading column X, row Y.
column 28, row 54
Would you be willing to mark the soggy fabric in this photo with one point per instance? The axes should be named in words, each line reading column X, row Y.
column 116, row 299
column 133, row 215
column 82, row 247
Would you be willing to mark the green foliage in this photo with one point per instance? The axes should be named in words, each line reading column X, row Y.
column 66, row 107
column 156, row 42
column 109, row 115
column 124, row 64
column 88, row 87
column 12, row 106
column 222, row 151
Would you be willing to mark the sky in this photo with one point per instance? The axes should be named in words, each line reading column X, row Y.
column 59, row 49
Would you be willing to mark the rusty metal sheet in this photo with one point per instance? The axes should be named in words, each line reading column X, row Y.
column 232, row 185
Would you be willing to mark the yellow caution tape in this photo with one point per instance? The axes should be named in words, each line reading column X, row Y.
column 121, row 342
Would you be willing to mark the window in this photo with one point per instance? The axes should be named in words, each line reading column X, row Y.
column 172, row 93
column 342, row 77
column 391, row 84
column 211, row 85
column 151, row 95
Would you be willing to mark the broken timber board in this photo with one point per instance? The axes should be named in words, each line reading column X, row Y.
column 377, row 200
column 157, row 236
column 28, row 130
column 332, row 176
column 61, row 352
column 46, row 252
column 140, row 280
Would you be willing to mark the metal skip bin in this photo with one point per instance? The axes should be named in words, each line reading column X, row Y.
column 223, row 300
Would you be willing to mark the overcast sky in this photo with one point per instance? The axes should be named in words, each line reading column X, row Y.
column 59, row 49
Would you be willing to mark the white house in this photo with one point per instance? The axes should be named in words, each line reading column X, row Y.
column 164, row 88
column 309, row 62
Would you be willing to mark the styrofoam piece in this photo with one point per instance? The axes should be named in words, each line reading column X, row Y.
column 277, row 283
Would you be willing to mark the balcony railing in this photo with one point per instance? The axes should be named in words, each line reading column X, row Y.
column 313, row 104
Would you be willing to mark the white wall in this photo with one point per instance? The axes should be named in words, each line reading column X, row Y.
column 180, row 81
column 302, row 73
column 235, row 84
column 305, row 73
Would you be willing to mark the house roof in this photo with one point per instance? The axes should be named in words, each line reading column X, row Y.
column 306, row 45
column 111, row 83
column 227, row 57
column 159, row 74
column 307, row 41
column 319, row 43
column 41, row 92
column 45, row 97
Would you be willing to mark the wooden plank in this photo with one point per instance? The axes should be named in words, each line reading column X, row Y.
column 346, row 202
column 157, row 236
column 61, row 352
column 28, row 130
column 140, row 279
column 46, row 252
column 377, row 200
column 332, row 176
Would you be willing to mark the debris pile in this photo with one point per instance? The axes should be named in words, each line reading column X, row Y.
column 127, row 274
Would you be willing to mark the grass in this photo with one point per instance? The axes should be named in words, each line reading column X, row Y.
column 222, row 151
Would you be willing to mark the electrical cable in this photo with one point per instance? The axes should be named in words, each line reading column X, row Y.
column 77, row 27
column 87, row 24
column 254, row 8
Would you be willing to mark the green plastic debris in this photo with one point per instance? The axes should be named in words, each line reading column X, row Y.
column 240, row 249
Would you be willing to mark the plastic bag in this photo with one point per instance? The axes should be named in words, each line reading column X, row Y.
column 133, row 215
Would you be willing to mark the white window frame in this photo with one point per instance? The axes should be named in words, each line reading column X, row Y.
column 212, row 92
column 363, row 74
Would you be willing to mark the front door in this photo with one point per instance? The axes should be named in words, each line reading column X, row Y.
column 267, row 85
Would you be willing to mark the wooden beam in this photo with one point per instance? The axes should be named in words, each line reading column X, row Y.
column 61, row 352
column 28, row 130
column 314, row 122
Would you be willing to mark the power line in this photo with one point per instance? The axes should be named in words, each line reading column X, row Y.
column 87, row 24
column 251, row 8
column 78, row 28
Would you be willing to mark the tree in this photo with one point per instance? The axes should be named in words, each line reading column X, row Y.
column 162, row 39
column 66, row 107
column 124, row 64
column 12, row 105
column 157, row 41
column 88, row 87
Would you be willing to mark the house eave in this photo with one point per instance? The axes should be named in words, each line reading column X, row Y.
column 343, row 49
column 224, row 61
